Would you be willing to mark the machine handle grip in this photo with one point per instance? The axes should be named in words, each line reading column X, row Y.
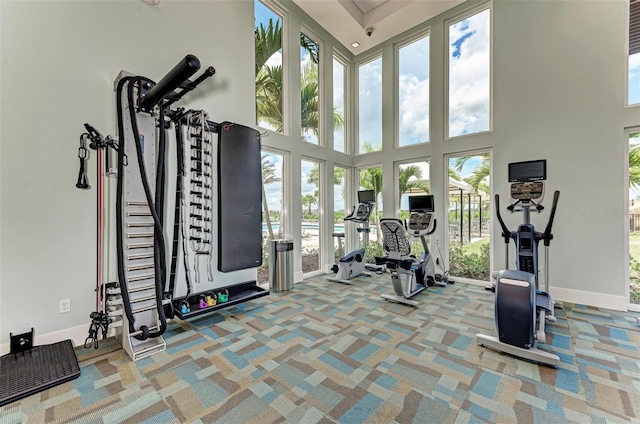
column 547, row 231
column 435, row 221
column 179, row 74
column 506, row 233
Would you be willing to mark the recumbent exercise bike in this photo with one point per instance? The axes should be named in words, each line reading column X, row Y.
column 409, row 275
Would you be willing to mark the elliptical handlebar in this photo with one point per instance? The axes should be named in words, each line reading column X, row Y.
column 506, row 233
column 546, row 235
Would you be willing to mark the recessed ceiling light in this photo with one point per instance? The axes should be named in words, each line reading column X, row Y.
column 355, row 44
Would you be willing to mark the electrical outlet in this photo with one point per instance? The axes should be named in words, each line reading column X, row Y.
column 65, row 306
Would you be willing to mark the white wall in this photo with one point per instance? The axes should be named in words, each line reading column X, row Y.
column 59, row 62
column 558, row 94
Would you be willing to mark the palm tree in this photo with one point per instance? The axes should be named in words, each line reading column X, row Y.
column 479, row 175
column 268, row 177
column 634, row 162
column 371, row 179
column 308, row 200
column 268, row 41
column 314, row 175
column 410, row 178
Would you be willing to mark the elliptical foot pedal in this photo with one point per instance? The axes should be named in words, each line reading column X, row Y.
column 30, row 371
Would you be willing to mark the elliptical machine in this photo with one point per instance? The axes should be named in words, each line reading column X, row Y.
column 409, row 275
column 521, row 308
column 353, row 264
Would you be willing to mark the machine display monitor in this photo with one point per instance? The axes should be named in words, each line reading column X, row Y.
column 366, row 196
column 421, row 203
column 532, row 170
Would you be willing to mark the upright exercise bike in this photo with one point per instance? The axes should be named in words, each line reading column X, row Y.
column 409, row 275
column 521, row 308
column 353, row 264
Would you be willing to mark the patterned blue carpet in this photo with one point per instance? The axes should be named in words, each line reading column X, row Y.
column 332, row 353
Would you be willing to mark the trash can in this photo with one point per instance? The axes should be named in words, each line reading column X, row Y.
column 281, row 265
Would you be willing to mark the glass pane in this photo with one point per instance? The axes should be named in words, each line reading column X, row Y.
column 413, row 92
column 634, row 218
column 309, row 62
column 268, row 68
column 339, row 200
column 371, row 179
column 413, row 179
column 338, row 106
column 469, row 69
column 469, row 213
column 634, row 79
column 310, row 198
column 370, row 106
column 272, row 207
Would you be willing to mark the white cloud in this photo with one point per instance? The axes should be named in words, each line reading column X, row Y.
column 414, row 110
column 370, row 104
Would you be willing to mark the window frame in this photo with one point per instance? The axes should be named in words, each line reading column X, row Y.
column 396, row 65
column 340, row 58
column 286, row 78
column 447, row 24
column 321, row 100
column 365, row 61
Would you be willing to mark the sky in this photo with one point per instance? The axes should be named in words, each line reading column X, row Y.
column 413, row 84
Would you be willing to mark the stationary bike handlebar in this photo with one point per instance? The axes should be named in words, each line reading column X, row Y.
column 506, row 233
column 435, row 221
column 547, row 236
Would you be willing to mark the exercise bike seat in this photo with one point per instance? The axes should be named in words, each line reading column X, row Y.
column 406, row 264
column 357, row 255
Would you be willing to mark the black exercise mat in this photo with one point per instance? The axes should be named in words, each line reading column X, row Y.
column 30, row 372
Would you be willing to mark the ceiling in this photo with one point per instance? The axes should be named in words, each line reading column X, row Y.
column 347, row 20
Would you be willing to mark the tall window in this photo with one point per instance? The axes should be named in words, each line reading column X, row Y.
column 413, row 92
column 339, row 83
column 469, row 214
column 370, row 106
column 310, row 198
column 310, row 95
column 371, row 179
column 634, row 52
column 339, row 206
column 268, row 61
column 634, row 218
column 469, row 68
column 272, row 206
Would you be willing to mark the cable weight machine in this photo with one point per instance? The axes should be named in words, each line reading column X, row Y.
column 136, row 301
column 141, row 295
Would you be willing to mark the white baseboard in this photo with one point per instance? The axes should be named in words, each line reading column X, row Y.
column 298, row 277
column 599, row 300
column 77, row 335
